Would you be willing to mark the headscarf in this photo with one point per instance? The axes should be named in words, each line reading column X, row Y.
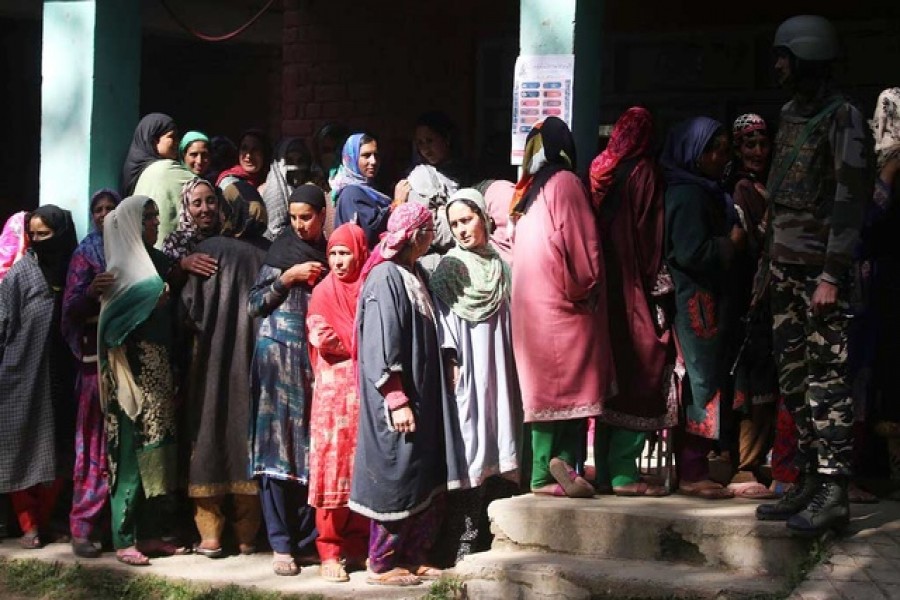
column 254, row 179
column 631, row 138
column 404, row 221
column 13, row 241
column 189, row 138
column 684, row 146
column 497, row 196
column 885, row 126
column 143, row 147
column 336, row 300
column 289, row 248
column 54, row 253
column 335, row 131
column 242, row 211
column 549, row 148
column 130, row 300
column 187, row 235
column 746, row 124
column 92, row 244
column 278, row 190
column 475, row 282
column 348, row 173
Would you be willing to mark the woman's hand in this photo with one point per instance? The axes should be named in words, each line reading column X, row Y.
column 401, row 193
column 403, row 419
column 308, row 272
column 199, row 264
column 101, row 283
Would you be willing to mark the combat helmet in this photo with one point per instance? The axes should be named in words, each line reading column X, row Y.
column 808, row 37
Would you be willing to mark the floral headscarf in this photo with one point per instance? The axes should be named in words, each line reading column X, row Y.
column 631, row 137
column 549, row 148
column 885, row 126
column 405, row 220
column 13, row 241
column 186, row 236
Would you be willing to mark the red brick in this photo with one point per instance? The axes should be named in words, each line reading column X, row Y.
column 344, row 109
column 298, row 127
column 330, row 93
column 289, row 35
column 292, row 17
column 313, row 110
column 301, row 93
column 361, row 91
column 289, row 110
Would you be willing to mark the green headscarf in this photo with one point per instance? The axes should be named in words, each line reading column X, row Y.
column 189, row 138
column 472, row 283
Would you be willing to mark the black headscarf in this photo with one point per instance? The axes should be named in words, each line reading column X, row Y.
column 54, row 253
column 289, row 249
column 143, row 148
column 243, row 212
column 549, row 148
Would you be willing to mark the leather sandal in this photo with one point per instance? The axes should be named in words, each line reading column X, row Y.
column 333, row 571
column 396, row 577
column 574, row 485
column 31, row 541
column 706, row 489
column 132, row 557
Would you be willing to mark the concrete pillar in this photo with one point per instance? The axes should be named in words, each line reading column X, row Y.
column 89, row 98
column 570, row 27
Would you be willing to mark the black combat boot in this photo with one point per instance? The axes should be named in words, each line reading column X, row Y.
column 829, row 509
column 793, row 501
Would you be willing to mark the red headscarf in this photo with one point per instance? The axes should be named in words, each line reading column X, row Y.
column 631, row 137
column 335, row 300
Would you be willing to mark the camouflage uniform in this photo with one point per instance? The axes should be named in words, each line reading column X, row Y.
column 816, row 215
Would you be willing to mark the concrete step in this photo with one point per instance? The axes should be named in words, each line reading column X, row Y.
column 534, row 575
column 676, row 529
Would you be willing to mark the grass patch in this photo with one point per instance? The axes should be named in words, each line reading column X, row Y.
column 52, row 581
column 446, row 588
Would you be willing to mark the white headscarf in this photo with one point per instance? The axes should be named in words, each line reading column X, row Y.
column 885, row 126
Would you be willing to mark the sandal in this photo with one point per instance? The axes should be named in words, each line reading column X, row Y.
column 553, row 489
column 286, row 568
column 574, row 485
column 706, row 489
column 208, row 552
column 84, row 548
column 132, row 557
column 396, row 576
column 752, row 490
column 640, row 488
column 161, row 548
column 333, row 571
column 247, row 549
column 426, row 572
column 31, row 541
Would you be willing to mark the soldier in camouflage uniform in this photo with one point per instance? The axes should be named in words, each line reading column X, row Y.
column 817, row 188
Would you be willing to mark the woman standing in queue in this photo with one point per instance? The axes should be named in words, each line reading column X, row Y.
column 356, row 197
column 400, row 467
column 38, row 373
column 281, row 381
column 86, row 283
column 194, row 152
column 702, row 236
column 564, row 357
column 471, row 287
column 334, row 416
column 134, row 341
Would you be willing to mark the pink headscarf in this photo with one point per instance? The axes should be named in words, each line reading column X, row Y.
column 13, row 242
column 404, row 221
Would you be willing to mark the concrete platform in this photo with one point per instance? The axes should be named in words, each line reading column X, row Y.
column 676, row 529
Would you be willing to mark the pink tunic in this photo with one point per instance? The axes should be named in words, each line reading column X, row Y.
column 560, row 333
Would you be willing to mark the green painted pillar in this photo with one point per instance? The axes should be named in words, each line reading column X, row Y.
column 570, row 27
column 89, row 98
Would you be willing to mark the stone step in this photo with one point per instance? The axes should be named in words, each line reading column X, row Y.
column 675, row 529
column 534, row 575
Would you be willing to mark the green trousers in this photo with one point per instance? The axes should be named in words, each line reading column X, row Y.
column 553, row 439
column 615, row 455
column 132, row 513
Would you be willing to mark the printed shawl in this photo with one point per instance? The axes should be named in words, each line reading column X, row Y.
column 631, row 137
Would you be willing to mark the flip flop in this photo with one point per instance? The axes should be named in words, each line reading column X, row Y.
column 752, row 490
column 426, row 572
column 161, row 548
column 396, row 577
column 706, row 489
column 574, row 485
column 285, row 568
column 31, row 541
column 208, row 552
column 641, row 488
column 553, row 489
column 132, row 557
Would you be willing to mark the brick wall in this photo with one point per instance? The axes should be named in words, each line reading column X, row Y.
column 377, row 65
